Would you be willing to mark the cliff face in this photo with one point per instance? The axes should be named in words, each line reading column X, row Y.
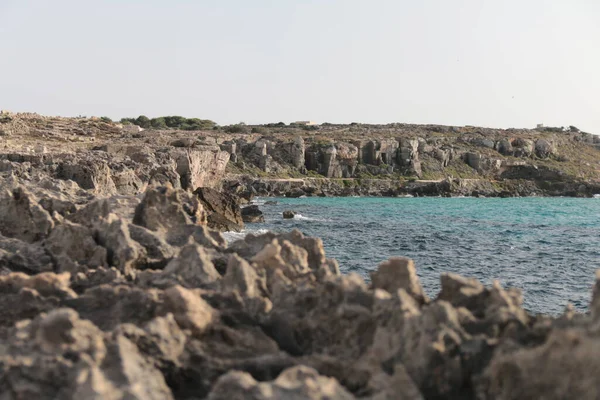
column 106, row 158
column 109, row 158
column 109, row 294
column 404, row 153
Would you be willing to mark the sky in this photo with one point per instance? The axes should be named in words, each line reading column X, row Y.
column 500, row 63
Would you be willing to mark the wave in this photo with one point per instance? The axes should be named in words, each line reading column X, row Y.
column 231, row 236
column 301, row 217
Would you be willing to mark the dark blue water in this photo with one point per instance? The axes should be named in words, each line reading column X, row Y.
column 548, row 247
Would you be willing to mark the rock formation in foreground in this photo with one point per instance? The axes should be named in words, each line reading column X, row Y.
column 134, row 297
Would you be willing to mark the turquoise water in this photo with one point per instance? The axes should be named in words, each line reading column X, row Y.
column 548, row 247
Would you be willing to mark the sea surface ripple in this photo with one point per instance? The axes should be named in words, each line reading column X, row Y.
column 548, row 247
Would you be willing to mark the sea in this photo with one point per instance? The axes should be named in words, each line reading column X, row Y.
column 547, row 247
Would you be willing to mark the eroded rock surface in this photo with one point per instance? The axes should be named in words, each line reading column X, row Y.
column 112, row 303
column 129, row 295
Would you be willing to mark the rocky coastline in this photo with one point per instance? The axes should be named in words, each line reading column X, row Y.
column 330, row 160
column 247, row 187
column 117, row 284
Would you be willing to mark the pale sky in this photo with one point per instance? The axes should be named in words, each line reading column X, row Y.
column 500, row 63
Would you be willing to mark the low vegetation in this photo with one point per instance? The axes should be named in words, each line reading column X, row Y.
column 171, row 122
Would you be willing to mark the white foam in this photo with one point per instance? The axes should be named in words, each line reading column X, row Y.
column 301, row 217
column 233, row 236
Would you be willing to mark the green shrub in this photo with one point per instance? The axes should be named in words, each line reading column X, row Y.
column 276, row 125
column 106, row 119
column 143, row 121
column 258, row 129
column 238, row 128
column 173, row 122
column 128, row 121
column 158, row 123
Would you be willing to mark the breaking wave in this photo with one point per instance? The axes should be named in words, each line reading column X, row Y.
column 301, row 217
column 231, row 237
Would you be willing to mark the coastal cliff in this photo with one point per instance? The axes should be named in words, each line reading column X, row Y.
column 419, row 160
column 327, row 160
column 103, row 157
column 114, row 285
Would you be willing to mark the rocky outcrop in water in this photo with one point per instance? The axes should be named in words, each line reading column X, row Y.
column 252, row 213
column 224, row 212
column 288, row 214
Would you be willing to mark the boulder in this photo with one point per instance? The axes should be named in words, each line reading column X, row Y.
column 482, row 163
column 189, row 309
column 19, row 256
column 242, row 277
column 109, row 305
column 399, row 273
column 83, row 281
column 46, row 284
column 164, row 208
column 21, row 217
column 73, row 245
column 160, row 341
column 299, row 382
column 463, row 292
column 252, row 213
column 522, row 147
column 122, row 252
column 131, row 374
column 24, row 297
column 224, row 213
column 191, row 268
column 158, row 251
column 295, row 193
column 199, row 234
column 490, row 144
column 505, row 147
column 565, row 366
column 544, row 148
column 288, row 214
column 53, row 356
